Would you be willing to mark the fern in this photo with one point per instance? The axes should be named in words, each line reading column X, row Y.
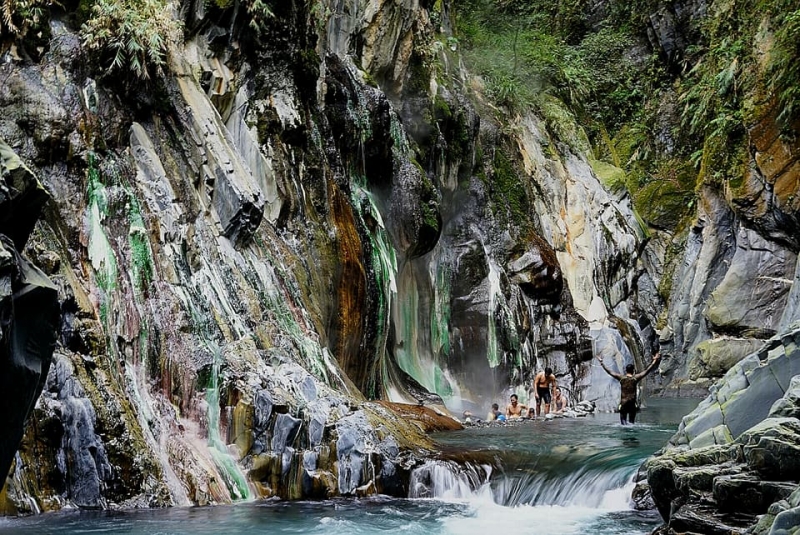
column 131, row 36
column 20, row 16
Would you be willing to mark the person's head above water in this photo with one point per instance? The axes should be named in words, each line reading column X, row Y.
column 629, row 368
column 548, row 371
column 495, row 407
column 514, row 399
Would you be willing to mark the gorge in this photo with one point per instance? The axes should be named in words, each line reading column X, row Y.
column 257, row 249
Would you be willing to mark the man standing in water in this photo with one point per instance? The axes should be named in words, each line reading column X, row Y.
column 543, row 386
column 627, row 386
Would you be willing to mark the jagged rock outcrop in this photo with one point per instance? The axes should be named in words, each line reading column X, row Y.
column 734, row 458
column 28, row 304
column 301, row 218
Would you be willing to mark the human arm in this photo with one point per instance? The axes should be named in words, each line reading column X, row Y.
column 656, row 360
column 609, row 372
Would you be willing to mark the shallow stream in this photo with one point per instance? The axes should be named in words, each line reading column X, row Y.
column 560, row 477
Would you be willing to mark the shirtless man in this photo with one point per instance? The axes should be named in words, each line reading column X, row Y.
column 543, row 385
column 627, row 384
column 514, row 409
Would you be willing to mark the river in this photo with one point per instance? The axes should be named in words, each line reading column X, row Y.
column 559, row 477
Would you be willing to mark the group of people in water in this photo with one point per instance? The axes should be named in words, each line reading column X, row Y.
column 546, row 392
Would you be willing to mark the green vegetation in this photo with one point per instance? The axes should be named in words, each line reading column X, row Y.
column 509, row 191
column 19, row 17
column 660, row 128
column 130, row 37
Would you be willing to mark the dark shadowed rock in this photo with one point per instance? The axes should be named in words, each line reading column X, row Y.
column 29, row 309
column 748, row 494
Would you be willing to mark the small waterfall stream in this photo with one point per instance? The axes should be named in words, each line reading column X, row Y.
column 235, row 480
column 561, row 477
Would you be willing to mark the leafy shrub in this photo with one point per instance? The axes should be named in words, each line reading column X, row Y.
column 131, row 36
column 20, row 16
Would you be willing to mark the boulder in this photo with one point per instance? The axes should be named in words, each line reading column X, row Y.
column 29, row 317
column 748, row 494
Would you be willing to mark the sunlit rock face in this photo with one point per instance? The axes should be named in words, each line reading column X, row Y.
column 296, row 223
column 735, row 284
column 737, row 451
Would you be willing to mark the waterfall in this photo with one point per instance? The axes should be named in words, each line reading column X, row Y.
column 235, row 480
column 592, row 487
column 447, row 480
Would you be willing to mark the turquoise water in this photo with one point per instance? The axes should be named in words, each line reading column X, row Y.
column 557, row 477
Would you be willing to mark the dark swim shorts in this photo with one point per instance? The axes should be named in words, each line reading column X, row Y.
column 544, row 394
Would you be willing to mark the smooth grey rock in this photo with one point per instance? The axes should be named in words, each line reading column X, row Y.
column 29, row 315
column 716, row 435
column 752, row 404
column 760, row 307
column 706, row 420
column 284, row 432
column 786, row 523
column 789, row 405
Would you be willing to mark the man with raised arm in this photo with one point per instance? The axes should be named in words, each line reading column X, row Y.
column 627, row 386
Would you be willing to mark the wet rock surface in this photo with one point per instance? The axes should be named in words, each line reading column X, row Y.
column 732, row 465
column 29, row 310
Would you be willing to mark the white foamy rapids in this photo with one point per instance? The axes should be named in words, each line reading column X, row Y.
column 523, row 520
column 599, row 489
column 447, row 481
column 523, row 503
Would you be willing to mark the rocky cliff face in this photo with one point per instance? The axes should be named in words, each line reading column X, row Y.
column 735, row 281
column 732, row 465
column 295, row 219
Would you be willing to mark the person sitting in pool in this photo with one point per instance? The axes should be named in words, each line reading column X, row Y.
column 559, row 402
column 627, row 384
column 494, row 413
column 515, row 409
column 543, row 385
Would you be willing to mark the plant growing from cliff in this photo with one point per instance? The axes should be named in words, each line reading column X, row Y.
column 131, row 36
column 785, row 67
column 19, row 16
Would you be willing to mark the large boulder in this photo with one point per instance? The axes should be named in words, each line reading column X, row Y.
column 29, row 314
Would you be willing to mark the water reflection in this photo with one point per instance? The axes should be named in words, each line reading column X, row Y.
column 552, row 478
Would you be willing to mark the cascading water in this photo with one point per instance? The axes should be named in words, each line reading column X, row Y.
column 235, row 480
column 561, row 477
